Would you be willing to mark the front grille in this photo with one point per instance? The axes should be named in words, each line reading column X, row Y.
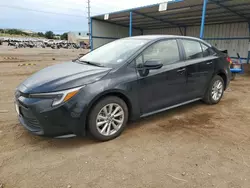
column 30, row 120
column 34, row 123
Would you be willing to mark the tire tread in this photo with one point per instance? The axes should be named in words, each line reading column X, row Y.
column 95, row 110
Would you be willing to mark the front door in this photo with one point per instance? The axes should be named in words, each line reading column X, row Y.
column 163, row 87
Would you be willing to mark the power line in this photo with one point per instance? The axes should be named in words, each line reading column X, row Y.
column 41, row 11
column 98, row 5
column 47, row 12
column 67, row 2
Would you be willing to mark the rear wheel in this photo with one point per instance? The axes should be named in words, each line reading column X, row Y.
column 108, row 118
column 215, row 90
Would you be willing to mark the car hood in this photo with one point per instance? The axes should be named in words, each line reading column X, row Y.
column 62, row 76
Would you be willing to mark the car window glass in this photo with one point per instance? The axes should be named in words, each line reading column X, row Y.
column 192, row 49
column 139, row 61
column 114, row 53
column 207, row 51
column 165, row 51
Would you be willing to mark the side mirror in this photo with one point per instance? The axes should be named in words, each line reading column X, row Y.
column 153, row 64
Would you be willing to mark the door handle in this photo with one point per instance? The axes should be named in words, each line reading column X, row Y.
column 208, row 63
column 181, row 70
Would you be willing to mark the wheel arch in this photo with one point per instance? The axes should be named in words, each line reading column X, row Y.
column 116, row 93
column 223, row 75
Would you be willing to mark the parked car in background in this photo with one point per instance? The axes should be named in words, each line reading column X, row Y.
column 126, row 79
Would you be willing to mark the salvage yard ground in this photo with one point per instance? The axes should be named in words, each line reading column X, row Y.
column 192, row 146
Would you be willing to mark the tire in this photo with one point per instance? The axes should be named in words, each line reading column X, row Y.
column 117, row 122
column 208, row 97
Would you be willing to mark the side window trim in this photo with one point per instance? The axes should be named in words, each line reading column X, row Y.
column 203, row 52
column 181, row 50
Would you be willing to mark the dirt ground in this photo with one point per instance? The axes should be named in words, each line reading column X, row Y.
column 192, row 146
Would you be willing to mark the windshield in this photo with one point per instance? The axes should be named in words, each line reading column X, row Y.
column 114, row 53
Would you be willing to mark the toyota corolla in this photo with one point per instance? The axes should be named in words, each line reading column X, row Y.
column 123, row 80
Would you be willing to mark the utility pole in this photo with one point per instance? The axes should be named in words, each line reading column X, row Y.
column 88, row 7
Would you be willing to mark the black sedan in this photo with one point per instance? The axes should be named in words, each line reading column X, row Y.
column 123, row 80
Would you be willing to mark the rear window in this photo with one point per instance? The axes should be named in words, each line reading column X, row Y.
column 192, row 48
column 207, row 51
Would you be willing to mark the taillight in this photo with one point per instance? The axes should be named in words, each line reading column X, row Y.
column 229, row 60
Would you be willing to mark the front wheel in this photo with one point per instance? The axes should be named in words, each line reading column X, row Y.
column 108, row 118
column 215, row 90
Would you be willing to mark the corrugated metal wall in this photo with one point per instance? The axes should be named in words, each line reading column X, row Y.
column 169, row 31
column 220, row 33
column 103, row 32
column 220, row 30
column 99, row 42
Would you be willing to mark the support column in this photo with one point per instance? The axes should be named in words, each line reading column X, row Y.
column 203, row 18
column 90, row 36
column 141, row 31
column 181, row 31
column 248, row 57
column 185, row 31
column 131, row 24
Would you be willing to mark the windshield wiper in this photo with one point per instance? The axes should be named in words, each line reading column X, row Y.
column 89, row 63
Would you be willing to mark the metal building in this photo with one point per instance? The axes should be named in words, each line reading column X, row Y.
column 223, row 23
column 78, row 37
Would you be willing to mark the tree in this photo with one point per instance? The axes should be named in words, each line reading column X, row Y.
column 64, row 36
column 49, row 35
column 40, row 34
column 15, row 32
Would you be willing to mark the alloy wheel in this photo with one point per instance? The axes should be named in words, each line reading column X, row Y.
column 217, row 90
column 110, row 119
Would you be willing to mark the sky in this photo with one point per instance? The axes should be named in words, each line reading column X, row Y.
column 58, row 15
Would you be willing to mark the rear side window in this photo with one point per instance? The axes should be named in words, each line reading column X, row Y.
column 166, row 51
column 207, row 51
column 192, row 48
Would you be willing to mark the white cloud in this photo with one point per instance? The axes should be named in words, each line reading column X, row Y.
column 59, row 21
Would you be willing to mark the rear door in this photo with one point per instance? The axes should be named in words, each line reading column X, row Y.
column 199, row 68
column 207, row 66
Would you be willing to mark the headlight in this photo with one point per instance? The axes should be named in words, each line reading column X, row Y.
column 59, row 96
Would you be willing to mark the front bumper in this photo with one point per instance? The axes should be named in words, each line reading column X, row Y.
column 40, row 118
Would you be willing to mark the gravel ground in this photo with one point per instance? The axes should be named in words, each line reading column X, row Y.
column 191, row 146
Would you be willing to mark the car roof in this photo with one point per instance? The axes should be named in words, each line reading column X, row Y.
column 158, row 37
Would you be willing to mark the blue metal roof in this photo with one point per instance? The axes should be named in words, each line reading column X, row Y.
column 181, row 13
column 136, row 8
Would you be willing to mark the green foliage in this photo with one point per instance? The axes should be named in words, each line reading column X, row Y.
column 18, row 32
column 13, row 32
column 49, row 35
column 64, row 36
column 40, row 34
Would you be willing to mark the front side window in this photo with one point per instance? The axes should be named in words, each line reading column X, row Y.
column 165, row 51
column 192, row 48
